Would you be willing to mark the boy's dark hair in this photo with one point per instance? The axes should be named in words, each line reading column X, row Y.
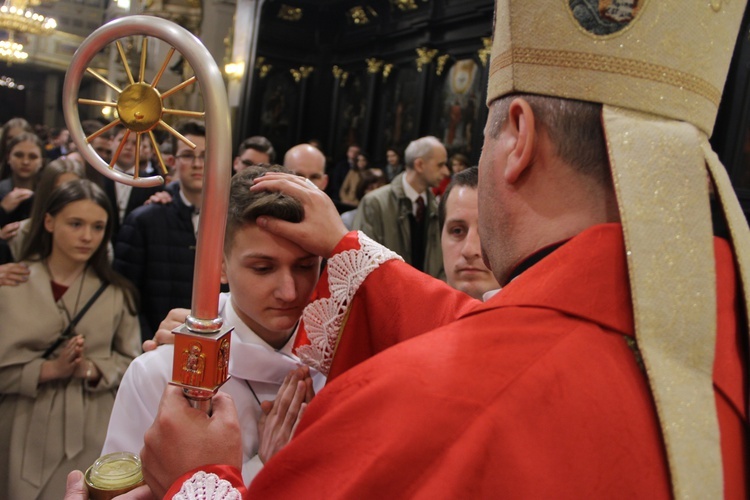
column 92, row 126
column 468, row 178
column 189, row 127
column 245, row 206
column 368, row 177
column 259, row 144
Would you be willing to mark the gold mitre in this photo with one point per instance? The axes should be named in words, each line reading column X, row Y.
column 668, row 58
column 658, row 67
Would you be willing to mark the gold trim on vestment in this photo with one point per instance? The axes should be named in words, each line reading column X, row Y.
column 607, row 64
column 658, row 169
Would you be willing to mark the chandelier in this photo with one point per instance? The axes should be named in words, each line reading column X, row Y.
column 12, row 51
column 16, row 16
column 8, row 82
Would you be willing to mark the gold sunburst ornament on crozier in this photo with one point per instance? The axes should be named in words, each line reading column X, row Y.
column 140, row 107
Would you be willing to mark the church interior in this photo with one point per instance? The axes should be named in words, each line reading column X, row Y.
column 603, row 211
column 377, row 73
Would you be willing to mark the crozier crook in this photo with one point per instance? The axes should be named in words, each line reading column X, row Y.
column 202, row 343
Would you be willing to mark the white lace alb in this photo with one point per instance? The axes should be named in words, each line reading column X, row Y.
column 324, row 317
column 204, row 486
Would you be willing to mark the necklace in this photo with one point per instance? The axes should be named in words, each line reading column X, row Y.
column 78, row 298
column 294, row 330
column 251, row 390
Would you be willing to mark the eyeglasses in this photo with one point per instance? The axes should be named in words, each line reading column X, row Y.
column 189, row 158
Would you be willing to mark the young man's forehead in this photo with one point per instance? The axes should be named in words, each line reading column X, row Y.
column 250, row 254
column 255, row 155
column 260, row 245
column 461, row 198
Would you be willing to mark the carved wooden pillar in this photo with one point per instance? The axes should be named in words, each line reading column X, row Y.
column 244, row 49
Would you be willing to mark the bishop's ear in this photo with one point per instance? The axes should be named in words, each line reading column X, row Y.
column 522, row 128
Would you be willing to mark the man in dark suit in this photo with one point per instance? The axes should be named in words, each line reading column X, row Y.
column 156, row 245
column 124, row 198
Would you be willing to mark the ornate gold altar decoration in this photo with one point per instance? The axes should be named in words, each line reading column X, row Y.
column 387, row 68
column 441, row 61
column 288, row 13
column 360, row 15
column 18, row 18
column 405, row 5
column 301, row 73
column 140, row 107
column 340, row 75
column 201, row 350
column 484, row 52
column 374, row 65
column 424, row 57
column 262, row 67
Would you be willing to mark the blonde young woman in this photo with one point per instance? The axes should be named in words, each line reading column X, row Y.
column 57, row 384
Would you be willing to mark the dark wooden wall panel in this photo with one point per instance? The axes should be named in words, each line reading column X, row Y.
column 369, row 109
column 378, row 112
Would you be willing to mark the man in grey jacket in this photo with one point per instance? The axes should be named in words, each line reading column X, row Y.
column 403, row 215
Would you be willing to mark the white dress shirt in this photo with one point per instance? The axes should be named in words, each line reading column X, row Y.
column 412, row 194
column 251, row 361
column 122, row 192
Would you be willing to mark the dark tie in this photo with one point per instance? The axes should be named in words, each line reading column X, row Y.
column 419, row 216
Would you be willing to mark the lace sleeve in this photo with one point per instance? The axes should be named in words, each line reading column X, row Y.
column 202, row 486
column 323, row 318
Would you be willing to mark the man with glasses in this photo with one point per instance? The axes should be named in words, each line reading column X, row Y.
column 155, row 248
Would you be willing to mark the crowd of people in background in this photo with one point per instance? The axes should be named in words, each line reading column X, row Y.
column 27, row 151
column 611, row 364
column 64, row 225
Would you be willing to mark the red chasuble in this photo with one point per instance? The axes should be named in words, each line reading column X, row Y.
column 536, row 394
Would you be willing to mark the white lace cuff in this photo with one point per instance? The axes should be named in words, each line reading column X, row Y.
column 204, row 486
column 324, row 317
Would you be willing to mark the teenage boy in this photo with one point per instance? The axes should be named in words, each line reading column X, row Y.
column 271, row 281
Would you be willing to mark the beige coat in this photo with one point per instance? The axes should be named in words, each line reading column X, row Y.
column 348, row 191
column 50, row 429
column 383, row 215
